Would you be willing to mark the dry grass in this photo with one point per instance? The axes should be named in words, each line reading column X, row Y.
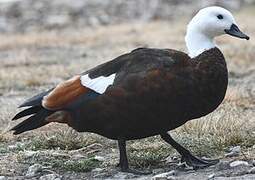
column 63, row 139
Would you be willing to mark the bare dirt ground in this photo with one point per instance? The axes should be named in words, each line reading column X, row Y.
column 33, row 62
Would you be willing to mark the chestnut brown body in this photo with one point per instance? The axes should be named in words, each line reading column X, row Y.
column 154, row 91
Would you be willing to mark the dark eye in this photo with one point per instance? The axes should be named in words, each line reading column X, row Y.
column 220, row 16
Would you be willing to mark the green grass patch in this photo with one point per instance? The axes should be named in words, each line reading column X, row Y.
column 61, row 162
column 84, row 165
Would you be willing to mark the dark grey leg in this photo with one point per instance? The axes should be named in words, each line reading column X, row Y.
column 123, row 163
column 191, row 160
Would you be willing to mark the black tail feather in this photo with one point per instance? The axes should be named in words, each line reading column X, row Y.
column 36, row 100
column 32, row 122
column 26, row 112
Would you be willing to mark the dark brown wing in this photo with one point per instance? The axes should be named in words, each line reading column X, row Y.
column 137, row 63
column 144, row 60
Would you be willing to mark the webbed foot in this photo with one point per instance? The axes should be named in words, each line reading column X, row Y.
column 190, row 160
column 197, row 163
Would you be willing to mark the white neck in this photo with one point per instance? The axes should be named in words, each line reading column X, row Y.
column 198, row 42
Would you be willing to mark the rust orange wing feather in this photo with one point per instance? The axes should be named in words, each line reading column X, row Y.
column 64, row 93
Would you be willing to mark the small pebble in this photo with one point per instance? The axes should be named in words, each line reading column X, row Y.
column 78, row 156
column 123, row 175
column 158, row 171
column 252, row 170
column 234, row 151
column 171, row 159
column 33, row 170
column 211, row 176
column 99, row 158
column 223, row 165
column 50, row 177
column 167, row 175
column 164, row 178
column 97, row 170
column 100, row 175
column 16, row 146
column 253, row 162
column 3, row 178
column 29, row 154
column 239, row 163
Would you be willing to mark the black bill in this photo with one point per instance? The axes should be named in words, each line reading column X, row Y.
column 235, row 31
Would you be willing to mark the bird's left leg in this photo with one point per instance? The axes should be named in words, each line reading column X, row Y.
column 123, row 164
column 191, row 160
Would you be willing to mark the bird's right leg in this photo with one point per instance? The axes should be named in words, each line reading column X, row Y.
column 191, row 160
column 123, row 163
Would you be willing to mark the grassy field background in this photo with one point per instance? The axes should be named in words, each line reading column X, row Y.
column 33, row 62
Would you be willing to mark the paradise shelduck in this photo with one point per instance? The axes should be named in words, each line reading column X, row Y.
column 143, row 93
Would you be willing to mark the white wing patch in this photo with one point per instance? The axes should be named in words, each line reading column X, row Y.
column 98, row 84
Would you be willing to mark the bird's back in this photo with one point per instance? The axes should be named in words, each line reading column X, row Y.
column 155, row 91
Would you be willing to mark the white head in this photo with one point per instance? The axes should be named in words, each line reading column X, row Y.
column 206, row 25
